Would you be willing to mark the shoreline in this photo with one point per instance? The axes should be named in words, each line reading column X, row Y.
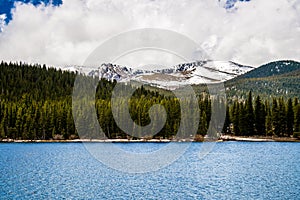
column 87, row 141
column 258, row 139
column 224, row 138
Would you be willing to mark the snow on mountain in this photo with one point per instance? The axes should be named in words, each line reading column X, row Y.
column 199, row 72
column 71, row 68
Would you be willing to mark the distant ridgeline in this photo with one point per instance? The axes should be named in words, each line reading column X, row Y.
column 280, row 78
column 36, row 103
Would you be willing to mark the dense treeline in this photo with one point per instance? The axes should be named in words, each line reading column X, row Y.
column 36, row 103
column 263, row 118
column 31, row 119
column 40, row 82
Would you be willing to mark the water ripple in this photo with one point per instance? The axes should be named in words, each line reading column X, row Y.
column 232, row 171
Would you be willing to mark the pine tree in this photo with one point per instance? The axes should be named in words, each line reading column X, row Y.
column 226, row 127
column 296, row 102
column 243, row 123
column 275, row 117
column 269, row 127
column 289, row 118
column 249, row 129
column 235, row 118
column 4, row 124
column 297, row 119
column 35, row 103
column 282, row 117
column 20, row 121
column 260, row 117
column 202, row 130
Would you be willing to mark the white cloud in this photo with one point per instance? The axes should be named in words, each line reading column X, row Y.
column 252, row 33
column 2, row 21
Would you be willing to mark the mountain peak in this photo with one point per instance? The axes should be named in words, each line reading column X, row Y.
column 197, row 72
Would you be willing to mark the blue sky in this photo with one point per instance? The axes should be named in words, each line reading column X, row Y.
column 63, row 33
column 7, row 5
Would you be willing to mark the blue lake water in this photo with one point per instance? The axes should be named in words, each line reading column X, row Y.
column 232, row 170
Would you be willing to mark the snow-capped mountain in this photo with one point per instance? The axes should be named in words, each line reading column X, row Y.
column 173, row 77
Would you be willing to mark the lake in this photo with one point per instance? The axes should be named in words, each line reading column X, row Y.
column 232, row 170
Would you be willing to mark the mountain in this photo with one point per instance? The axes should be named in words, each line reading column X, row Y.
column 273, row 69
column 199, row 72
column 279, row 78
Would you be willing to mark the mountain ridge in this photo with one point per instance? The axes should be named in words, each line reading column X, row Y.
column 268, row 81
column 198, row 72
column 274, row 68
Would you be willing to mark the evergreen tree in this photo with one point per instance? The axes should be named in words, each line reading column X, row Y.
column 226, row 127
column 289, row 118
column 249, row 129
column 282, row 117
column 202, row 130
column 297, row 119
column 235, row 118
column 36, row 103
column 275, row 117
column 269, row 126
column 260, row 117
column 243, row 123
column 296, row 101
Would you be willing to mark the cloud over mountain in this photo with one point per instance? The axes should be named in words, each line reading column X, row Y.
column 250, row 33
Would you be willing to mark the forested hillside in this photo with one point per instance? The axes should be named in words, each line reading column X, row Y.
column 272, row 69
column 275, row 79
column 39, row 82
column 36, row 103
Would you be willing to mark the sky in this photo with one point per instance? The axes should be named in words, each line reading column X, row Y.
column 60, row 33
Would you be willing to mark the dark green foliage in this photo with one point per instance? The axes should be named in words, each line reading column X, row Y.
column 250, row 116
column 243, row 120
column 236, row 118
column 273, row 69
column 289, row 118
column 275, row 79
column 36, row 81
column 279, row 117
column 282, row 117
column 260, row 117
column 226, row 127
column 269, row 127
column 275, row 119
column 36, row 103
column 297, row 118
